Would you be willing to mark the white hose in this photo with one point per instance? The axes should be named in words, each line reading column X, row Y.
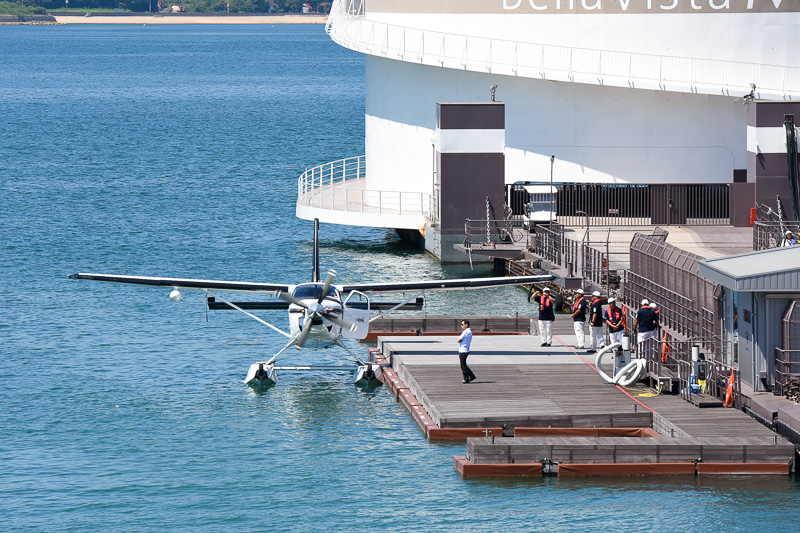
column 628, row 375
column 599, row 358
column 634, row 371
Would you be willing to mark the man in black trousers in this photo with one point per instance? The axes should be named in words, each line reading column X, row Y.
column 464, row 340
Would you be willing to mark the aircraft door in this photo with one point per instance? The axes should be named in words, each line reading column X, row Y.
column 356, row 310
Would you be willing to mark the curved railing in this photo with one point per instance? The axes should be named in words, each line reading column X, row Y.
column 348, row 26
column 330, row 174
column 341, row 186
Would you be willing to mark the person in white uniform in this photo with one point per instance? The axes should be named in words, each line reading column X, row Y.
column 596, row 323
column 615, row 321
column 579, row 317
column 546, row 315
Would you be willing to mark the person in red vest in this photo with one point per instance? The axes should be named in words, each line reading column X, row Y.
column 596, row 323
column 657, row 311
column 615, row 321
column 546, row 315
column 579, row 317
column 646, row 324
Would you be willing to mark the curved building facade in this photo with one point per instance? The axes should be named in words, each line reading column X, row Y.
column 619, row 91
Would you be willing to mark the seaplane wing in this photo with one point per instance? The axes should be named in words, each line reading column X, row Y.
column 443, row 284
column 179, row 283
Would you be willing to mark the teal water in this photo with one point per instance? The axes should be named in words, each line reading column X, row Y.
column 175, row 151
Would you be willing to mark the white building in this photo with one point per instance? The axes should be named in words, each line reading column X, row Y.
column 620, row 91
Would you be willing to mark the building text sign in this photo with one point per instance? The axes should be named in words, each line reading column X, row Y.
column 582, row 6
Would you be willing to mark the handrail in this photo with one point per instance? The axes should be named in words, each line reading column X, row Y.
column 494, row 231
column 339, row 186
column 348, row 26
column 770, row 233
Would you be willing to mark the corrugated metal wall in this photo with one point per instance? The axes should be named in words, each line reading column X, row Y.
column 689, row 303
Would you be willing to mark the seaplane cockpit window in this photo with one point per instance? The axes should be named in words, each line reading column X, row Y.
column 307, row 292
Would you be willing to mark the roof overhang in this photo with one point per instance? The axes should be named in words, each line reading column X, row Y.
column 774, row 270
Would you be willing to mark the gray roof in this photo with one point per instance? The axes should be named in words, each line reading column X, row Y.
column 774, row 270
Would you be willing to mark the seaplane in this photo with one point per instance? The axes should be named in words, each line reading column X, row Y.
column 321, row 313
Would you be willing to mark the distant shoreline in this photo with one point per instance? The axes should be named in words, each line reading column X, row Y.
column 187, row 18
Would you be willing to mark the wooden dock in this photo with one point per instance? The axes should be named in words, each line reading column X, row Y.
column 523, row 385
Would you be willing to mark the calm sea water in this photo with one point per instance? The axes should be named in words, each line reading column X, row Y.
column 175, row 151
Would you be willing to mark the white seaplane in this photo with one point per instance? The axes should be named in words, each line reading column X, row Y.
column 320, row 313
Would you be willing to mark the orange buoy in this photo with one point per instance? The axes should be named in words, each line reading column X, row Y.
column 729, row 393
column 624, row 316
column 664, row 348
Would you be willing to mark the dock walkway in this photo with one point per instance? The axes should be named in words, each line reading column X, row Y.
column 523, row 385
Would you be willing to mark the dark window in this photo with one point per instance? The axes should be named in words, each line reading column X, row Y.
column 306, row 292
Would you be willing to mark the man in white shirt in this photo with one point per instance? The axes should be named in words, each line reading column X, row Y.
column 464, row 340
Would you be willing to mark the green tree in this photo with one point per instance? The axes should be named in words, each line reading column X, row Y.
column 16, row 8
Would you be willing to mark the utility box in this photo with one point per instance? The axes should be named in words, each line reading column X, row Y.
column 622, row 357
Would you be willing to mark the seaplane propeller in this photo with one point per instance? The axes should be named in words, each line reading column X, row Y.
column 315, row 311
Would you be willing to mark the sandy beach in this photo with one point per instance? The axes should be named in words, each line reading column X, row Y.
column 189, row 18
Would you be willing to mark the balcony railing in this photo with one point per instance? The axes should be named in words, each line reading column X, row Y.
column 341, row 186
column 348, row 26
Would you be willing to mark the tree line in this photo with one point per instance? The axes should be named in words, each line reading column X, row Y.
column 32, row 7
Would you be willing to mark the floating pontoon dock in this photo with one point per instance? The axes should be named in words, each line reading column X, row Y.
column 580, row 424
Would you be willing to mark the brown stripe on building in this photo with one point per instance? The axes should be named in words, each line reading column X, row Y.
column 769, row 164
column 466, row 181
column 771, row 114
column 477, row 116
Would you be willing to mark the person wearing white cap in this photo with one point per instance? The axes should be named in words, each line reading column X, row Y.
column 546, row 315
column 789, row 240
column 615, row 321
column 596, row 323
column 579, row 317
column 646, row 324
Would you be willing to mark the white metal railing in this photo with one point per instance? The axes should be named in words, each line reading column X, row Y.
column 348, row 26
column 340, row 186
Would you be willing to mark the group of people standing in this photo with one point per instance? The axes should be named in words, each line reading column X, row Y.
column 613, row 317
column 646, row 324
